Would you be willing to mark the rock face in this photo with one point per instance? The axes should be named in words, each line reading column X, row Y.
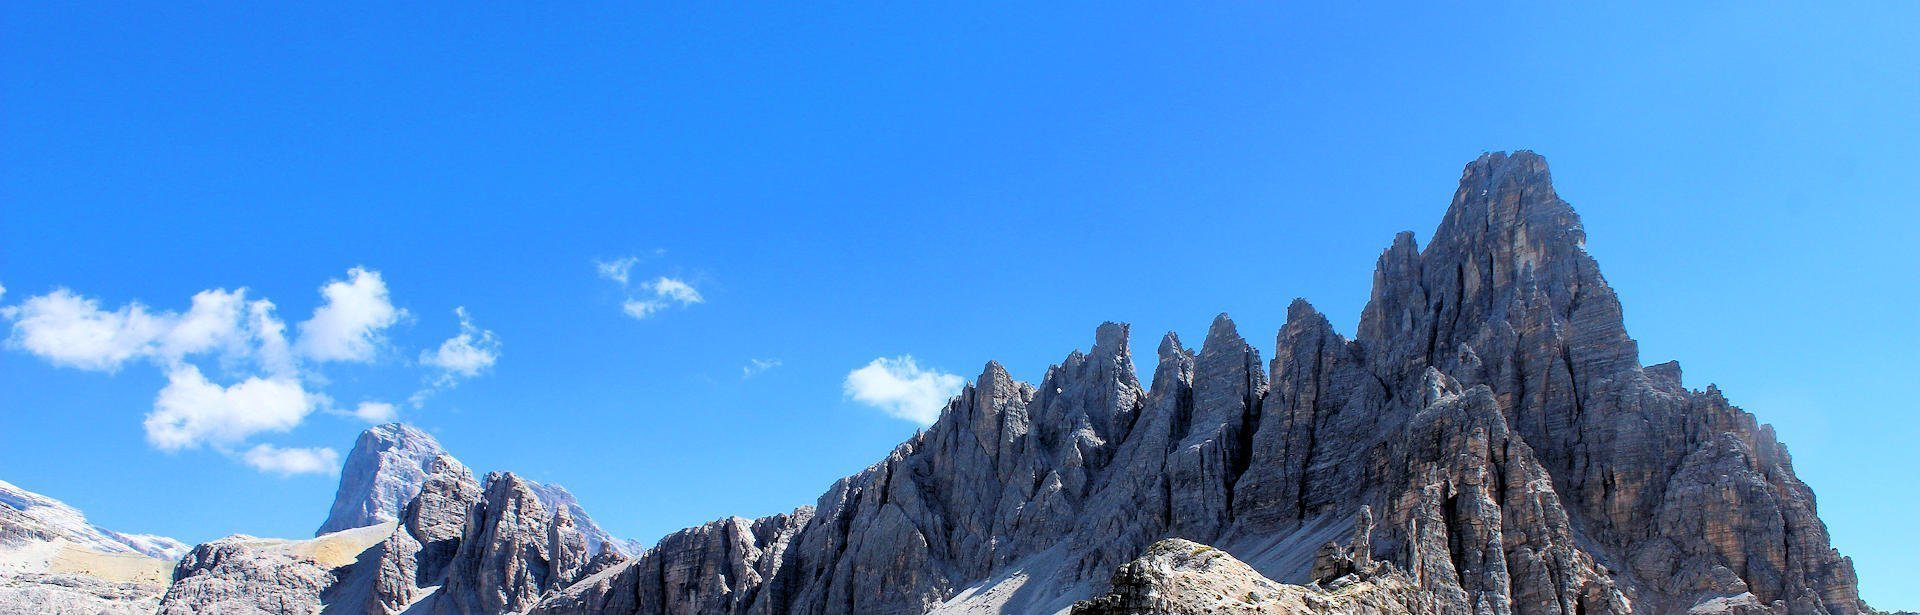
column 382, row 473
column 557, row 498
column 388, row 465
column 512, row 551
column 53, row 561
column 453, row 545
column 1491, row 417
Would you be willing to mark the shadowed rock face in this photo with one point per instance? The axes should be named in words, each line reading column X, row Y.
column 1488, row 444
column 1492, row 413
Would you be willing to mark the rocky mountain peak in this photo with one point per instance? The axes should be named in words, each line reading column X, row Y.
column 384, row 470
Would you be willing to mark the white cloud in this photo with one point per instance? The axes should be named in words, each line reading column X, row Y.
column 647, row 298
column 902, row 389
column 270, row 336
column 640, row 309
column 192, row 411
column 291, row 461
column 666, row 292
column 755, row 366
column 676, row 290
column 213, row 322
column 617, row 269
column 351, row 325
column 255, row 380
column 375, row 412
column 467, row 354
column 70, row 330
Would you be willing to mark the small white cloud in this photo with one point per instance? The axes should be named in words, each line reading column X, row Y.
column 647, row 298
column 192, row 411
column 666, row 292
column 640, row 309
column 902, row 389
column 676, row 290
column 291, row 461
column 467, row 354
column 755, row 366
column 375, row 412
column 351, row 325
column 617, row 269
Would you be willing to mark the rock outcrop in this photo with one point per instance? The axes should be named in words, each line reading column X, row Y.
column 245, row 575
column 512, row 552
column 1182, row 577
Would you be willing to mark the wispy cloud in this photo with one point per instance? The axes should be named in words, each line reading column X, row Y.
column 292, row 461
column 465, row 355
column 901, row 388
column 647, row 298
column 617, row 269
column 375, row 412
column 755, row 366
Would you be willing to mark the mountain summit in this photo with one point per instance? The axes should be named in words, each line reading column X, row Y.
column 384, row 470
column 1487, row 444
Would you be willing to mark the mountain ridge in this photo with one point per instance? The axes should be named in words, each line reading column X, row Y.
column 1486, row 442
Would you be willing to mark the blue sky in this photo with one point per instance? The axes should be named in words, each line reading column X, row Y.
column 804, row 192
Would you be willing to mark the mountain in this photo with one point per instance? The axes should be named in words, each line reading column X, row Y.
column 1491, row 413
column 1487, row 443
column 53, row 561
column 382, row 472
column 390, row 462
column 70, row 524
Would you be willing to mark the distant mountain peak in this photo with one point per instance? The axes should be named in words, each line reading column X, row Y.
column 69, row 523
column 384, row 470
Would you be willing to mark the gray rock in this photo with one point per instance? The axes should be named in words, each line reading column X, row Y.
column 555, row 498
column 512, row 551
column 1182, row 577
column 383, row 472
column 243, row 574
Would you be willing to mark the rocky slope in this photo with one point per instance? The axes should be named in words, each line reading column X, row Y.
column 53, row 561
column 1488, row 443
column 1182, row 577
